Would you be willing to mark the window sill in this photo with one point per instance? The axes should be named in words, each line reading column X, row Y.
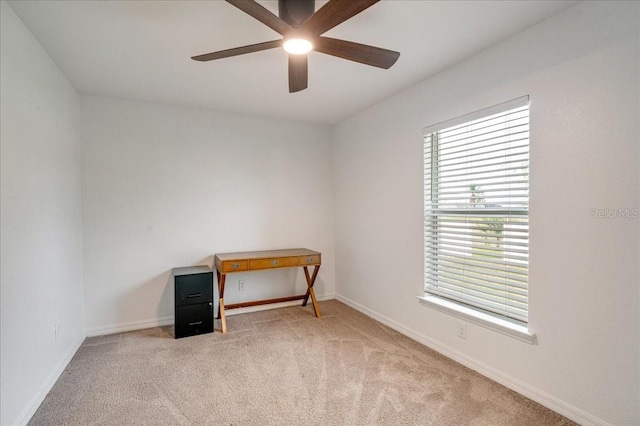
column 484, row 320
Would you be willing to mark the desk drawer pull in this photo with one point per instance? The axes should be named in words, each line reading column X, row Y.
column 194, row 295
column 310, row 259
column 235, row 265
column 275, row 262
column 195, row 323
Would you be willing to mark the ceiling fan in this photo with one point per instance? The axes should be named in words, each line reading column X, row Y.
column 302, row 31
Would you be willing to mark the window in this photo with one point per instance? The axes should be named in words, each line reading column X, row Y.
column 476, row 210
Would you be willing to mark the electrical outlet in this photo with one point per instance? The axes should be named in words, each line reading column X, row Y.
column 56, row 331
column 462, row 330
column 241, row 285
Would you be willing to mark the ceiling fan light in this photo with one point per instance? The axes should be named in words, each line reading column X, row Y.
column 297, row 46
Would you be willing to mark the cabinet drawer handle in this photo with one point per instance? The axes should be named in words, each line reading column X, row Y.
column 309, row 259
column 194, row 295
column 195, row 323
column 235, row 265
column 274, row 262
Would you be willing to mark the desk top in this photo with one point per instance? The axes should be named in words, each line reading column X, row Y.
column 266, row 259
column 266, row 254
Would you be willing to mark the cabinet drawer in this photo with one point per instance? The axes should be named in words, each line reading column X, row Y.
column 193, row 319
column 313, row 259
column 193, row 289
column 235, row 265
column 275, row 262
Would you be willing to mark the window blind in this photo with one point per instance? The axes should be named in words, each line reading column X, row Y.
column 476, row 220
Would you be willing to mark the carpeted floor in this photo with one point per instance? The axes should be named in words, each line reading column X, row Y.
column 279, row 367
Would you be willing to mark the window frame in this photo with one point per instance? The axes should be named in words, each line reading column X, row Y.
column 458, row 306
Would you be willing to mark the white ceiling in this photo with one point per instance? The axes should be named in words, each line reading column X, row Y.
column 141, row 50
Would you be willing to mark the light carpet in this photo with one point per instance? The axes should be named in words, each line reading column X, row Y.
column 279, row 367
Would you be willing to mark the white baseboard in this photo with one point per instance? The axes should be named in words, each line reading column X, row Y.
column 525, row 389
column 37, row 399
column 129, row 326
column 169, row 320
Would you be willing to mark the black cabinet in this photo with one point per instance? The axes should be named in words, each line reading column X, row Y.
column 193, row 290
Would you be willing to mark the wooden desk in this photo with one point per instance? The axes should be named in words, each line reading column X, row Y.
column 227, row 263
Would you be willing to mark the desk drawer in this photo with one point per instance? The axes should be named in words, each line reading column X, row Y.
column 274, row 262
column 235, row 265
column 313, row 259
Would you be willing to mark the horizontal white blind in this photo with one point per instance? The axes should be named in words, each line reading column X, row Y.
column 476, row 235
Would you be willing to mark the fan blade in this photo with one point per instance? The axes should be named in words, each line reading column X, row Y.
column 298, row 72
column 369, row 55
column 238, row 51
column 334, row 13
column 257, row 11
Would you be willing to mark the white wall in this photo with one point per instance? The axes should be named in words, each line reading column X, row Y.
column 167, row 186
column 41, row 221
column 581, row 70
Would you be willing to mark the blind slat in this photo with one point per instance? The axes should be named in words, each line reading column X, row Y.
column 479, row 245
column 481, row 145
column 446, row 233
column 506, row 263
column 462, row 134
column 483, row 273
column 490, row 165
column 466, row 285
column 510, row 310
column 478, row 280
column 464, row 165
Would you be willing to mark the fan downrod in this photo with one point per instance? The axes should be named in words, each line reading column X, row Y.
column 295, row 12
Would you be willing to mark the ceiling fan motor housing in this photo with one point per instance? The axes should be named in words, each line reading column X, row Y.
column 295, row 12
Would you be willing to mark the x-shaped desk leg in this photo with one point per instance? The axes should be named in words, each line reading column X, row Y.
column 310, row 281
column 221, row 315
